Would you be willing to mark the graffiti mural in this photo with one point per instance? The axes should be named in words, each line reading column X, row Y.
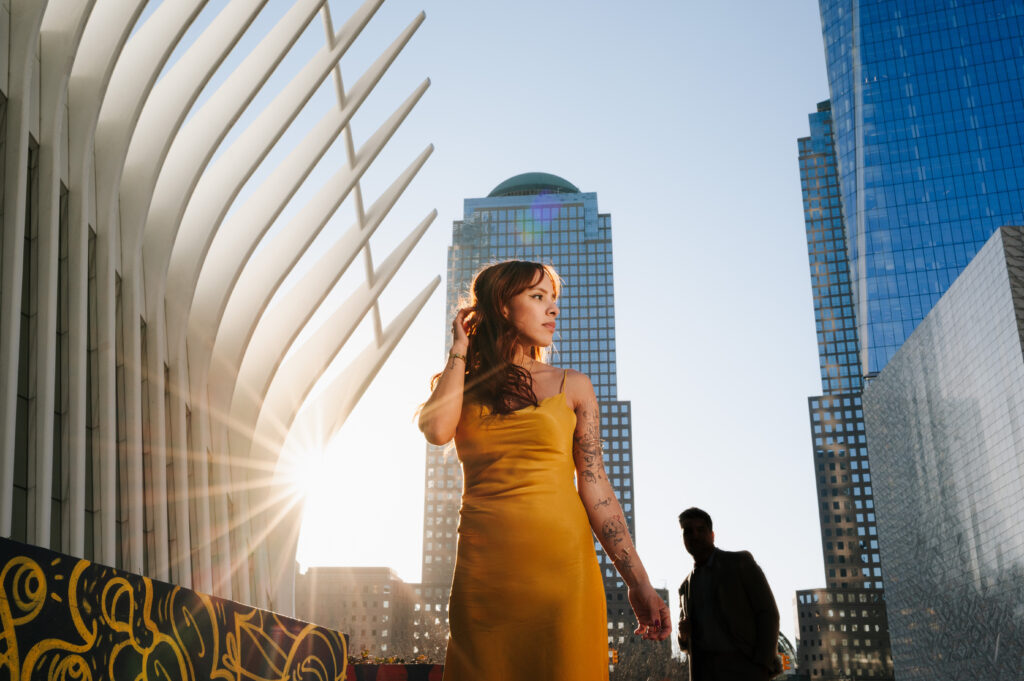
column 67, row 619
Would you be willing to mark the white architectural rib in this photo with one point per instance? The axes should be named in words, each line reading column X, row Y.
column 134, row 77
column 281, row 324
column 191, row 149
column 159, row 122
column 213, row 193
column 59, row 33
column 269, row 266
column 105, row 34
column 26, row 17
column 315, row 425
column 286, row 319
column 292, row 382
column 339, row 87
column 170, row 101
column 241, row 232
column 323, row 415
column 138, row 67
column 161, row 118
column 221, row 182
column 197, row 140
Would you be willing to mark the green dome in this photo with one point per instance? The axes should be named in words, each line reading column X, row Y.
column 534, row 183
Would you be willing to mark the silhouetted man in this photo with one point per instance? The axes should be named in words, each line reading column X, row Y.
column 729, row 623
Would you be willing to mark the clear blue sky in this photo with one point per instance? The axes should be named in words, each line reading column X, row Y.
column 683, row 117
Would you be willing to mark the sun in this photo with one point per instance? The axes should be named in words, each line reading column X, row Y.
column 364, row 491
column 302, row 473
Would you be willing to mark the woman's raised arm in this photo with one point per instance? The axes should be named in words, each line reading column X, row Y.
column 440, row 414
column 605, row 513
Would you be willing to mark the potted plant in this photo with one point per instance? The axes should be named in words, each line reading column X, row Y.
column 367, row 667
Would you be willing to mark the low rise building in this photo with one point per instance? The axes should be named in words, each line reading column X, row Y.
column 842, row 634
column 370, row 604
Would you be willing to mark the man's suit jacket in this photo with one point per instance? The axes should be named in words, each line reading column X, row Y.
column 745, row 604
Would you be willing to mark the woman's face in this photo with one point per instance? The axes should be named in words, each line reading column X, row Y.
column 533, row 312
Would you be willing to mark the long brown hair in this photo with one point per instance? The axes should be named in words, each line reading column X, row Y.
column 492, row 379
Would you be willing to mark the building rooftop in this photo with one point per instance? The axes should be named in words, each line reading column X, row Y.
column 534, row 183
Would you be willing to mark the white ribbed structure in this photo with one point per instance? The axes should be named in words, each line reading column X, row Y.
column 147, row 356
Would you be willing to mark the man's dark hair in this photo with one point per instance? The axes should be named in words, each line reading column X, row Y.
column 694, row 513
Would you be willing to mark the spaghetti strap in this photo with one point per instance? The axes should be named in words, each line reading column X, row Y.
column 562, row 388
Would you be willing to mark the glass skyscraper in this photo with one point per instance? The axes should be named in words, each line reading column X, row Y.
column 929, row 134
column 913, row 163
column 544, row 218
column 842, row 629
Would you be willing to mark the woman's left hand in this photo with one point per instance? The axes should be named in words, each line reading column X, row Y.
column 652, row 615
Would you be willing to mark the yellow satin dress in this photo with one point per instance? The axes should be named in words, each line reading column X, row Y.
column 527, row 597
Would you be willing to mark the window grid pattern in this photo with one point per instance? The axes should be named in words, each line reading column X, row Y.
column 843, row 634
column 373, row 606
column 930, row 140
column 846, row 505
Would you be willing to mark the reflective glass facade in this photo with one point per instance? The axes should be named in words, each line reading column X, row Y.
column 946, row 425
column 562, row 227
column 837, row 640
column 834, row 318
column 929, row 132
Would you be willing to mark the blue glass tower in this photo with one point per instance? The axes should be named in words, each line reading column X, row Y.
column 929, row 134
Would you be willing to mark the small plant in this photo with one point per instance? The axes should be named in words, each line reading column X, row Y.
column 365, row 657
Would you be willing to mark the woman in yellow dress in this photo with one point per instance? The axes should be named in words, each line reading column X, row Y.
column 527, row 597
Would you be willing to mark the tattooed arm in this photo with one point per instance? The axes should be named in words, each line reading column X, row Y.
column 605, row 513
column 441, row 413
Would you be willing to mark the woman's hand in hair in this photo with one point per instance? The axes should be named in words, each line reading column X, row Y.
column 460, row 338
column 440, row 414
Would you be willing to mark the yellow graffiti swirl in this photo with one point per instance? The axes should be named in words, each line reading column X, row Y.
column 189, row 622
column 27, row 593
column 121, row 588
column 118, row 588
column 28, row 588
column 71, row 668
column 312, row 664
column 45, row 646
column 73, row 604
